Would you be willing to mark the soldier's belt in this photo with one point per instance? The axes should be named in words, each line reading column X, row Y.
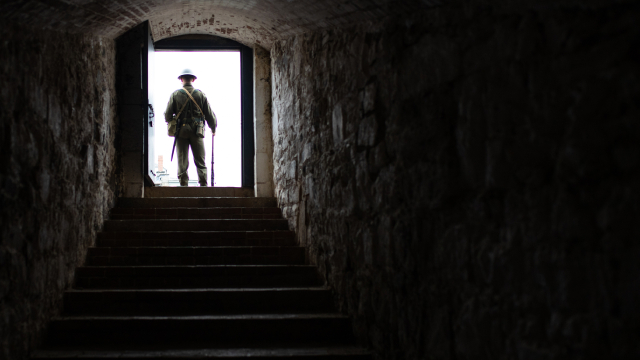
column 192, row 121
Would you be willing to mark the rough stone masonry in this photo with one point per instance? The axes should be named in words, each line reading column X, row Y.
column 466, row 178
column 57, row 170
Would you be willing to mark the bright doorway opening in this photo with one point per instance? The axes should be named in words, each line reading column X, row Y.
column 219, row 78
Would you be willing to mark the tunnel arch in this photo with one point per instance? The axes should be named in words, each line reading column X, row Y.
column 249, row 22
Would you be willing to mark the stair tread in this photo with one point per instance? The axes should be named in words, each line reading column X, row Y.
column 203, row 353
column 207, row 317
column 197, row 250
column 195, row 224
column 198, row 197
column 197, row 208
column 210, row 232
column 207, row 301
column 182, row 220
column 210, row 191
column 197, row 247
column 196, row 266
column 223, row 232
column 206, row 202
column 201, row 197
column 129, row 237
column 203, row 290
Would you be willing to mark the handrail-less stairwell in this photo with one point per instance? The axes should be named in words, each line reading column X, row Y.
column 198, row 277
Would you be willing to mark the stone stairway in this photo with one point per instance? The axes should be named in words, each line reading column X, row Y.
column 198, row 277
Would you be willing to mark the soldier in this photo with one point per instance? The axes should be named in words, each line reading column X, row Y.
column 186, row 111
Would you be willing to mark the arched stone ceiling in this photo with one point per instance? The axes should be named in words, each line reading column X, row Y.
column 251, row 22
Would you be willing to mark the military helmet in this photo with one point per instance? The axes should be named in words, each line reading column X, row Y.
column 187, row 72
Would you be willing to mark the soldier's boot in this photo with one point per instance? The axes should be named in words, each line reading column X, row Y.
column 184, row 179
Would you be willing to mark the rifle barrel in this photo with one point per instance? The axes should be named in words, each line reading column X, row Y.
column 212, row 156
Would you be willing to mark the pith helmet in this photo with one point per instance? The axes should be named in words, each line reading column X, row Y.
column 187, row 72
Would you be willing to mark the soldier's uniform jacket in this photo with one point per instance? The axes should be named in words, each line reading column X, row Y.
column 190, row 115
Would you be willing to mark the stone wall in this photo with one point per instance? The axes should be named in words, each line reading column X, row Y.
column 466, row 178
column 57, row 176
column 262, row 128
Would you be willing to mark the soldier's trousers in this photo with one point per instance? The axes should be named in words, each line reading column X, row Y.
column 197, row 150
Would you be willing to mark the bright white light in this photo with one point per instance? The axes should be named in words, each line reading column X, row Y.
column 219, row 78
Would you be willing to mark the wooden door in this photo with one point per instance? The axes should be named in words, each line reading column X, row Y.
column 137, row 123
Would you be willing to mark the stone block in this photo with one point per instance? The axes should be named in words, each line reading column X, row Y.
column 65, row 178
column 337, row 126
column 436, row 191
column 367, row 131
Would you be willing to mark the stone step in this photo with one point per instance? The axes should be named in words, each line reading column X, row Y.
column 210, row 331
column 197, row 301
column 298, row 353
column 196, row 213
column 195, row 202
column 196, row 238
column 196, row 191
column 195, row 225
column 223, row 255
column 176, row 277
column 199, row 276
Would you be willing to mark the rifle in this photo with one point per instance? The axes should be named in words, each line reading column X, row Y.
column 178, row 127
column 213, row 136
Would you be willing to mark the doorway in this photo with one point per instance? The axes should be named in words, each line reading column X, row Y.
column 138, row 123
column 219, row 77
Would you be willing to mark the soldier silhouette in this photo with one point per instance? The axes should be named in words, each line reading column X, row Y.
column 186, row 112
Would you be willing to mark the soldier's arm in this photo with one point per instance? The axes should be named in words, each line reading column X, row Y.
column 212, row 121
column 168, row 114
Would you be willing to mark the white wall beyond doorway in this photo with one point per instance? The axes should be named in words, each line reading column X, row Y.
column 218, row 75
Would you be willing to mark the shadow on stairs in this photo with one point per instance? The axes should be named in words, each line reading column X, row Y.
column 198, row 277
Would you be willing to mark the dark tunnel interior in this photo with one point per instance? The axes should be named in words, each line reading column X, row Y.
column 465, row 175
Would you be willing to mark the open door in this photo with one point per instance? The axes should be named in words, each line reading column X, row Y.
column 150, row 121
column 134, row 53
